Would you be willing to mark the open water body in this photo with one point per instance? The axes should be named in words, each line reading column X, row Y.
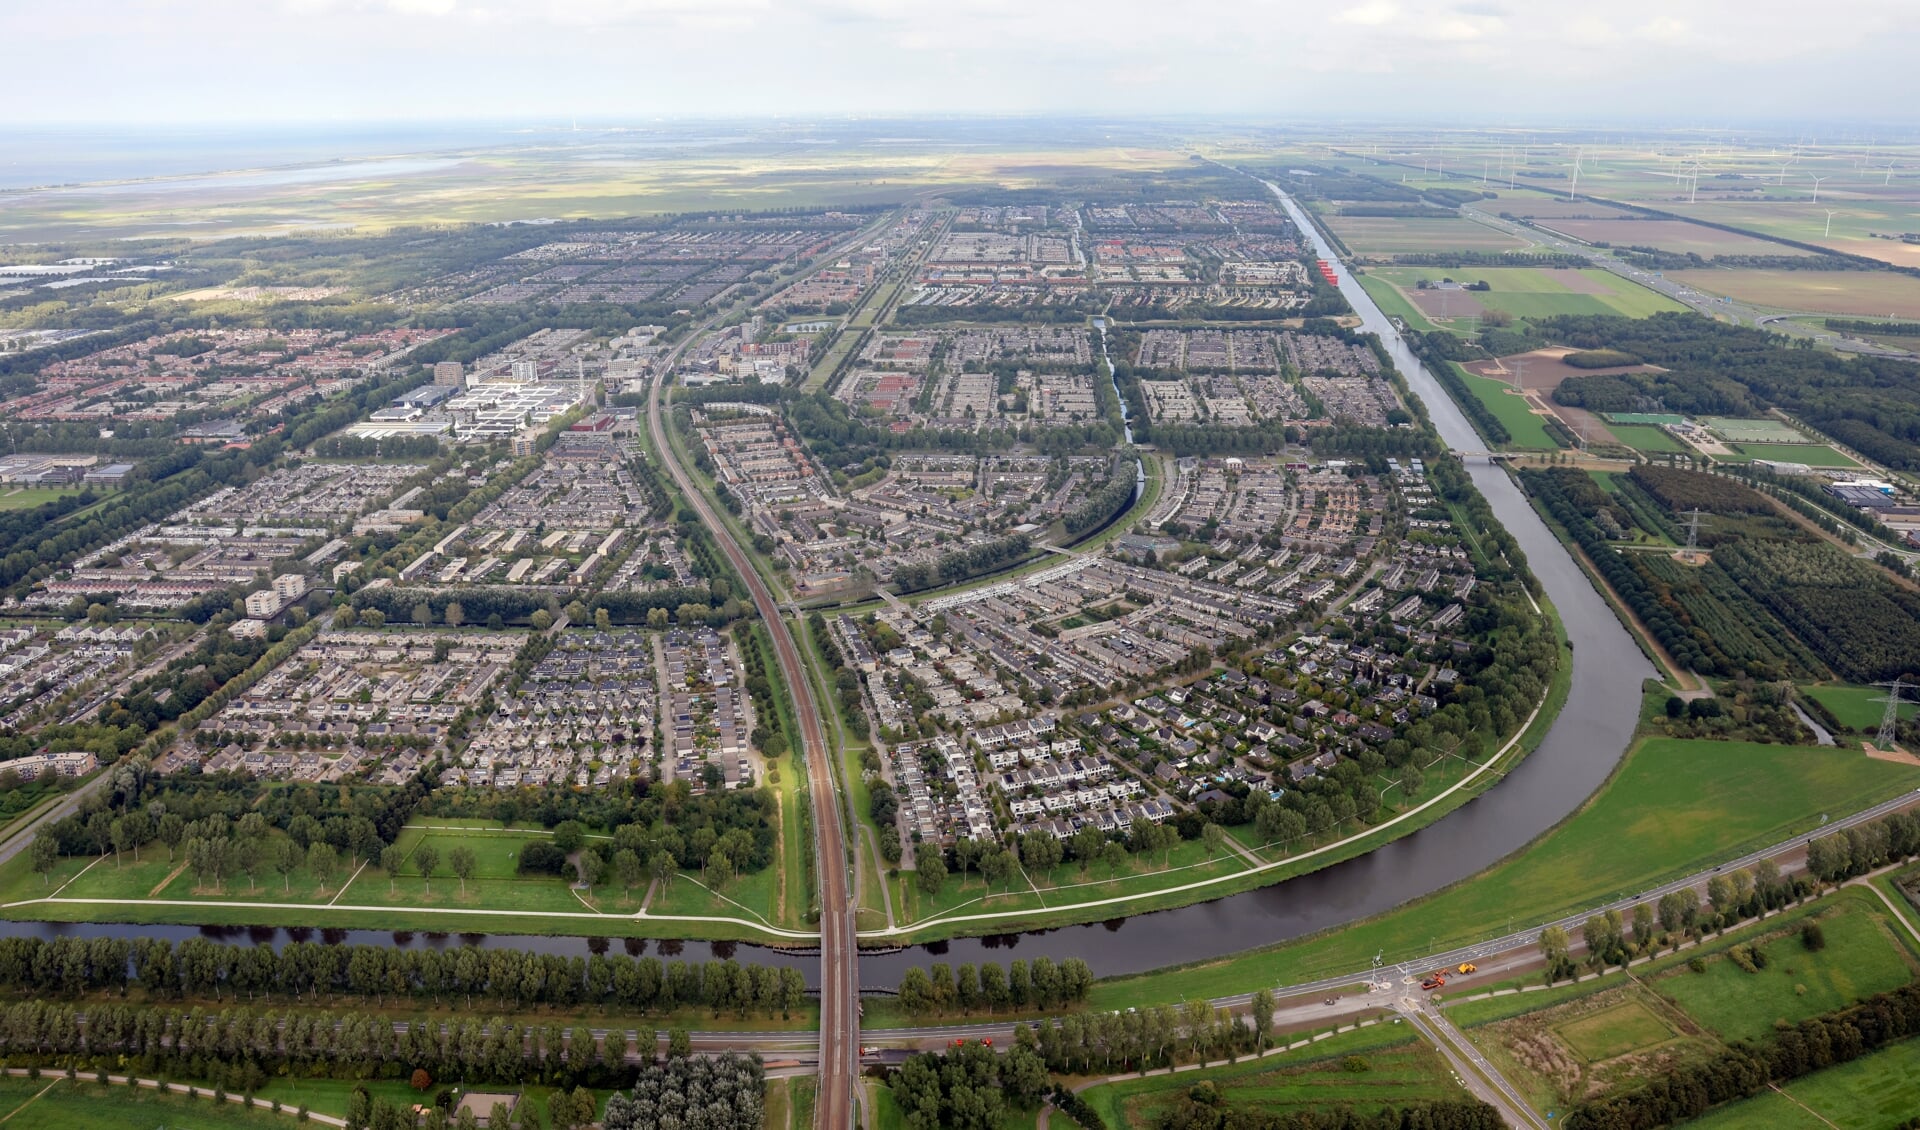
column 1580, row 750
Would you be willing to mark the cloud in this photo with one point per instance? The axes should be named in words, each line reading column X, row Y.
column 1374, row 13
column 424, row 59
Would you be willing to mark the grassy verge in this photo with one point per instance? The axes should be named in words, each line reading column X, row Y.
column 1398, row 1069
column 1672, row 808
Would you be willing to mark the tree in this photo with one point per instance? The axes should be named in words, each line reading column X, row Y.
column 285, row 857
column 1114, row 855
column 322, row 860
column 627, row 867
column 391, row 860
column 423, row 614
column 1262, row 1007
column 1214, row 837
column 679, row 1043
column 569, row 835
column 932, row 873
column 420, row 1080
column 45, row 854
column 660, row 867
column 602, row 620
column 426, row 857
column 455, row 615
column 463, row 860
column 541, row 619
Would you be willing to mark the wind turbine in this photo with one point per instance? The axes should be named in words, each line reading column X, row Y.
column 1816, row 185
column 1889, row 179
column 1830, row 215
column 1693, row 187
column 1574, row 188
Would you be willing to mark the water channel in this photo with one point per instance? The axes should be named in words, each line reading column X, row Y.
column 1579, row 751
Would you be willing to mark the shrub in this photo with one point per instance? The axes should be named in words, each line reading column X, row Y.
column 541, row 858
column 1813, row 937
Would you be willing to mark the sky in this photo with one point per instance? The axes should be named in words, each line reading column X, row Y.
column 610, row 62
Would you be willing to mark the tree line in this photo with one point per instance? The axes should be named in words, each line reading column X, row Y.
column 465, row 978
column 941, row 989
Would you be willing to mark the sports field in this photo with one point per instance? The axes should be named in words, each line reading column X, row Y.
column 1812, row 454
column 1643, row 418
column 1645, row 437
column 1877, row 294
column 26, row 498
column 1390, row 235
column 1736, row 429
column 1538, row 292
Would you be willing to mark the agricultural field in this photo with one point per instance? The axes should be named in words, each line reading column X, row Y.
column 1530, row 292
column 1676, row 236
column 1391, row 235
column 1398, row 1070
column 1857, row 219
column 1864, row 293
column 1812, row 454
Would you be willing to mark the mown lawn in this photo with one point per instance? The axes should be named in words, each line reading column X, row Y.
column 1812, row 454
column 1645, row 437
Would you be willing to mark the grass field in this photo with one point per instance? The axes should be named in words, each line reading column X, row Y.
column 26, row 498
column 1854, row 219
column 1393, row 303
column 1861, row 959
column 1615, row 1031
column 1389, row 235
column 1875, row 1092
column 1866, row 293
column 1510, row 409
column 1812, row 454
column 1645, row 437
column 1857, row 707
column 495, row 892
column 1399, row 1070
column 1674, row 806
column 1764, row 430
column 93, row 1106
column 1533, row 292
